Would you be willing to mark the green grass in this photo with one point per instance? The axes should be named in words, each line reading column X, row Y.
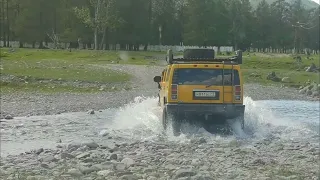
column 35, row 65
column 81, row 56
column 283, row 65
column 11, row 87
column 63, row 65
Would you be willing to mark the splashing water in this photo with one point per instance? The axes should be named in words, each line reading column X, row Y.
column 141, row 119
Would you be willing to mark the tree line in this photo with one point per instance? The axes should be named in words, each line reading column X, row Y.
column 131, row 23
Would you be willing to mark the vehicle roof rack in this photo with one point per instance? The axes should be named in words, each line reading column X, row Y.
column 202, row 56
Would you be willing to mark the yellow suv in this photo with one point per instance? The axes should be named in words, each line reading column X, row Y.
column 200, row 88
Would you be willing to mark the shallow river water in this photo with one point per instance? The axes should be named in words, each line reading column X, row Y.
column 140, row 121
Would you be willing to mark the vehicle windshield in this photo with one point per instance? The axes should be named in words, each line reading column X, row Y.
column 211, row 77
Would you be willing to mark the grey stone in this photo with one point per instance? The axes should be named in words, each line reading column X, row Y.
column 129, row 177
column 49, row 158
column 64, row 155
column 88, row 170
column 104, row 173
column 104, row 133
column 120, row 166
column 9, row 116
column 39, row 151
column 113, row 157
column 184, row 173
column 91, row 145
column 90, row 112
column 83, row 155
column 74, row 172
column 128, row 162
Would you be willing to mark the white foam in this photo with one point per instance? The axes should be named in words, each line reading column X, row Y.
column 142, row 119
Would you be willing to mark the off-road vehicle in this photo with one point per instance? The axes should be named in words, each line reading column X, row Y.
column 201, row 88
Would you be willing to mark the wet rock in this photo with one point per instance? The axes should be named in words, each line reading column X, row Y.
column 201, row 177
column 83, row 149
column 104, row 133
column 202, row 140
column 39, row 151
column 129, row 177
column 35, row 177
column 91, row 145
column 88, row 170
column 74, row 172
column 111, row 146
column 120, row 166
column 309, row 92
column 113, row 157
column 73, row 145
column 104, row 173
column 83, row 155
column 49, row 158
column 90, row 112
column 64, row 155
column 184, row 173
column 104, row 166
column 43, row 165
column 259, row 162
column 9, row 116
column 128, row 162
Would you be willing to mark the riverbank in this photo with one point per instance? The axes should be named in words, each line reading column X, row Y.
column 46, row 82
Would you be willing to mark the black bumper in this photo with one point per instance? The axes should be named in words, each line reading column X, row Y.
column 226, row 110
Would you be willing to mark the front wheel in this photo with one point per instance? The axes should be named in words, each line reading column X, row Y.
column 172, row 120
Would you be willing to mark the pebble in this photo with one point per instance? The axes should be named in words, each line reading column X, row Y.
column 83, row 155
column 184, row 173
column 9, row 116
column 104, row 173
column 75, row 172
column 128, row 162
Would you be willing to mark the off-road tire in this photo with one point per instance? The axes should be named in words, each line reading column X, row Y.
column 172, row 120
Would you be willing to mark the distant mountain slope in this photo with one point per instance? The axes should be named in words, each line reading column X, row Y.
column 309, row 4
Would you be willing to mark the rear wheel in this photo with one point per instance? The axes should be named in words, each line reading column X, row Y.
column 217, row 124
column 172, row 120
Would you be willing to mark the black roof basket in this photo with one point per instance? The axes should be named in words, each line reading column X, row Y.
column 202, row 56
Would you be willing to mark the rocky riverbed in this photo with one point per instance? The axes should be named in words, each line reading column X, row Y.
column 85, row 146
column 196, row 160
column 33, row 104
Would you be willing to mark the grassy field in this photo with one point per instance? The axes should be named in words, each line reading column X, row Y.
column 33, row 65
column 256, row 67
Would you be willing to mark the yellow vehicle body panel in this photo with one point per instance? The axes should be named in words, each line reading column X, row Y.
column 185, row 92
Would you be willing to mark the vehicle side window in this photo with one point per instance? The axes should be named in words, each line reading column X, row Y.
column 168, row 75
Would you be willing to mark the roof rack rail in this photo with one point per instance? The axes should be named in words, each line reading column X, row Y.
column 203, row 56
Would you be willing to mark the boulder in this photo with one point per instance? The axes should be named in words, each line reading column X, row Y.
column 312, row 68
column 273, row 77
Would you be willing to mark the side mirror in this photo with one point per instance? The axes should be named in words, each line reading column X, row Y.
column 157, row 79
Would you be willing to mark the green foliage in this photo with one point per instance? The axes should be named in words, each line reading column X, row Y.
column 257, row 66
column 240, row 23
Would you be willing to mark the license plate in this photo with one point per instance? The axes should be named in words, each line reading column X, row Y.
column 204, row 94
